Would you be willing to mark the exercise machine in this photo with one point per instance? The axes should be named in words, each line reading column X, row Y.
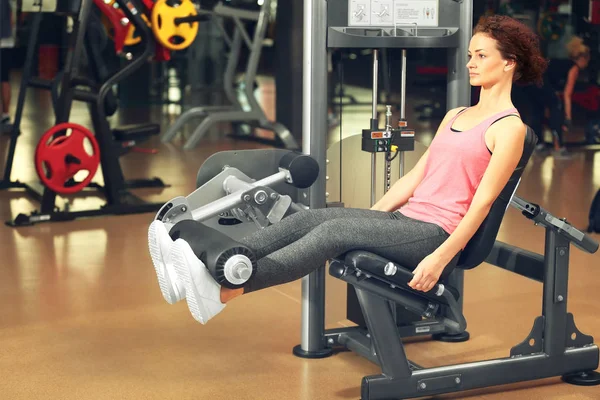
column 344, row 24
column 248, row 112
column 240, row 192
column 112, row 143
column 554, row 348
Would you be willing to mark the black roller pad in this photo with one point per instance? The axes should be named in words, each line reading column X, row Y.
column 303, row 169
column 212, row 247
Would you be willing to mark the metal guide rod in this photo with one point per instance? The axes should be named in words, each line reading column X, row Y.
column 314, row 142
column 388, row 163
column 374, row 126
column 403, row 105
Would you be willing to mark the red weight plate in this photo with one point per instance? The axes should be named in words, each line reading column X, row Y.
column 64, row 156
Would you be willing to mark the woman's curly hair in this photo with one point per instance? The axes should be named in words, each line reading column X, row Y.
column 516, row 41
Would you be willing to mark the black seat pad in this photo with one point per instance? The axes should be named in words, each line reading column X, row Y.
column 374, row 264
column 135, row 131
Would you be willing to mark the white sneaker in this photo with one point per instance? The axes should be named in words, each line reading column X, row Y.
column 203, row 293
column 160, row 245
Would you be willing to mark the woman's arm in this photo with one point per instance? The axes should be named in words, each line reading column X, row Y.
column 508, row 140
column 404, row 187
column 569, row 88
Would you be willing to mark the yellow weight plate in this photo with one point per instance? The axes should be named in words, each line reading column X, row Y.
column 167, row 31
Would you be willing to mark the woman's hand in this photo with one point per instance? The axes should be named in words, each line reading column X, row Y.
column 428, row 272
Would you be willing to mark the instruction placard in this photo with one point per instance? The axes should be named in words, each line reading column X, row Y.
column 38, row 6
column 420, row 12
column 393, row 12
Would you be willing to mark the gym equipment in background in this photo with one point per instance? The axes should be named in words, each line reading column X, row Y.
column 174, row 23
column 58, row 158
column 117, row 26
column 236, row 112
column 112, row 143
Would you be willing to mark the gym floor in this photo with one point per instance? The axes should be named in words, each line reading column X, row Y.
column 82, row 317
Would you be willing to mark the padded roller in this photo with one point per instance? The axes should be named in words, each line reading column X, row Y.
column 303, row 169
column 229, row 262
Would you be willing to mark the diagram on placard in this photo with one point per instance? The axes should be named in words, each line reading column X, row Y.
column 360, row 12
column 382, row 12
column 393, row 12
column 416, row 12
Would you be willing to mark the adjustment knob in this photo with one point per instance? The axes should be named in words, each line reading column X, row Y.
column 238, row 269
column 390, row 269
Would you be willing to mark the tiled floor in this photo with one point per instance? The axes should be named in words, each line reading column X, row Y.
column 81, row 315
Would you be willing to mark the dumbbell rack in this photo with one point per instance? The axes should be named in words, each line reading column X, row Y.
column 118, row 199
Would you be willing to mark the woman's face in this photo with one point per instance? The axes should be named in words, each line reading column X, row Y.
column 583, row 61
column 486, row 65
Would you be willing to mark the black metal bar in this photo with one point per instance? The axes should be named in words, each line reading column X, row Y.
column 519, row 261
column 85, row 95
column 360, row 344
column 39, row 83
column 455, row 378
column 120, row 209
column 555, row 292
column 192, row 18
column 65, row 99
column 542, row 217
column 388, row 347
column 111, row 169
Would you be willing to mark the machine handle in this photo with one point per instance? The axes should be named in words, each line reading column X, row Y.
column 587, row 244
column 404, row 276
column 542, row 217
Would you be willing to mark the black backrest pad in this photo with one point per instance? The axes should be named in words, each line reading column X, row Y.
column 482, row 242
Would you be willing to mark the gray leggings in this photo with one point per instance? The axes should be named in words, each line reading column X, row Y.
column 304, row 241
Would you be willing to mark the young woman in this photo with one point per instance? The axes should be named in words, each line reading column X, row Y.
column 422, row 222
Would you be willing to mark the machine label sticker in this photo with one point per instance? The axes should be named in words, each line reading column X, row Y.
column 382, row 12
column 393, row 12
column 420, row 12
column 38, row 6
column 359, row 12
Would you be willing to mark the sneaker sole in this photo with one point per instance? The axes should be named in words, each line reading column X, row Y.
column 193, row 274
column 155, row 246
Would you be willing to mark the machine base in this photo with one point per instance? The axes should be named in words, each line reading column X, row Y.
column 298, row 352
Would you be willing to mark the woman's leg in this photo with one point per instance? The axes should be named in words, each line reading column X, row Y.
column 556, row 120
column 404, row 240
column 288, row 230
column 262, row 242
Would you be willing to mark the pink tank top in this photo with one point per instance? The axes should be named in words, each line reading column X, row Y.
column 454, row 169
